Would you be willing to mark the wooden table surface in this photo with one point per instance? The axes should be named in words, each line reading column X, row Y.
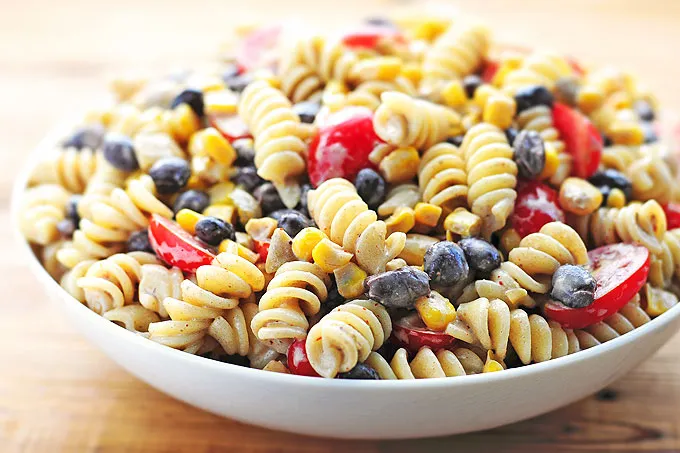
column 59, row 394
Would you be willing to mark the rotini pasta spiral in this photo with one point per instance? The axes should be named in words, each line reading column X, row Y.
column 158, row 283
column 301, row 83
column 366, row 94
column 69, row 281
column 211, row 300
column 279, row 145
column 666, row 265
column 652, row 179
column 343, row 216
column 99, row 187
column 70, row 168
column 296, row 291
column 427, row 364
column 112, row 283
column 346, row 336
column 442, row 178
column 42, row 208
column 456, row 53
column 537, row 69
column 402, row 120
column 112, row 220
column 491, row 176
column 620, row 157
column 134, row 318
column 628, row 318
column 331, row 60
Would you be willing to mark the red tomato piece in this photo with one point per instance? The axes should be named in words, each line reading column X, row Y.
column 672, row 211
column 298, row 362
column 576, row 66
column 262, row 249
column 342, row 146
column 231, row 126
column 490, row 70
column 536, row 205
column 175, row 246
column 411, row 333
column 370, row 36
column 620, row 271
column 581, row 138
column 256, row 48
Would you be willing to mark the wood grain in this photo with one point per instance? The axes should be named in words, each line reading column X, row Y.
column 59, row 394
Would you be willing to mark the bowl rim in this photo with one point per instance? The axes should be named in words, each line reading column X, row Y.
column 120, row 334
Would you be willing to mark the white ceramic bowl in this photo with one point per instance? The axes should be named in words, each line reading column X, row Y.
column 359, row 409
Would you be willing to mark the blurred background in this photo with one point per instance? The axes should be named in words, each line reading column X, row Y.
column 57, row 393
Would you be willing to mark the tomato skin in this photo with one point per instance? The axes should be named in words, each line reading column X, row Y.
column 490, row 70
column 410, row 333
column 370, row 36
column 298, row 362
column 231, row 127
column 536, row 205
column 175, row 246
column 620, row 271
column 342, row 146
column 581, row 139
column 262, row 249
column 672, row 211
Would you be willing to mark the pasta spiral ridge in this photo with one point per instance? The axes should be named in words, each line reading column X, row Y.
column 491, row 175
column 301, row 83
column 42, row 208
column 666, row 265
column 427, row 364
column 345, row 218
column 207, row 306
column 537, row 69
column 112, row 283
column 442, row 177
column 279, row 144
column 296, row 291
column 629, row 317
column 367, row 93
column 123, row 212
column 70, row 168
column 402, row 120
column 346, row 336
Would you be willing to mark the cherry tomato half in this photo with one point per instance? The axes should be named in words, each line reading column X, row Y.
column 620, row 271
column 672, row 211
column 298, row 362
column 262, row 249
column 370, row 36
column 175, row 246
column 581, row 139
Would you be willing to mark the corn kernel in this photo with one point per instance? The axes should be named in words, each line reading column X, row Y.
column 330, row 256
column 400, row 165
column 453, row 94
column 435, row 311
column 589, row 99
column 427, row 214
column 403, row 220
column 415, row 247
column 626, row 133
column 509, row 240
column 552, row 162
column 221, row 211
column 509, row 63
column 395, row 264
column 431, row 28
column 234, row 248
column 378, row 68
column 221, row 102
column 616, row 198
column 195, row 182
column 305, row 241
column 464, row 223
column 413, row 72
column 482, row 95
column 276, row 366
column 221, row 193
column 499, row 110
column 350, row 280
column 579, row 197
column 183, row 122
column 187, row 219
column 209, row 142
column 261, row 229
column 491, row 365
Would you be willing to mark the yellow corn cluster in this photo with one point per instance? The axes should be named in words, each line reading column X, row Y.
column 436, row 311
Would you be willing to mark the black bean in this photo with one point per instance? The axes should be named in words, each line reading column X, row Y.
column 139, row 242
column 511, row 135
column 650, row 133
column 268, row 197
column 644, row 110
column 307, row 111
column 371, row 187
column 612, row 179
column 470, row 84
column 239, row 83
column 245, row 152
column 573, row 286
column 119, row 152
column 480, row 255
column 398, row 289
column 380, row 22
column 532, row 96
column 90, row 136
column 196, row 200
column 445, row 263
column 248, row 178
column 529, row 154
column 170, row 174
column 66, row 228
column 193, row 98
column 456, row 140
column 606, row 141
column 230, row 70
column 293, row 222
column 213, row 230
column 72, row 209
column 360, row 371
